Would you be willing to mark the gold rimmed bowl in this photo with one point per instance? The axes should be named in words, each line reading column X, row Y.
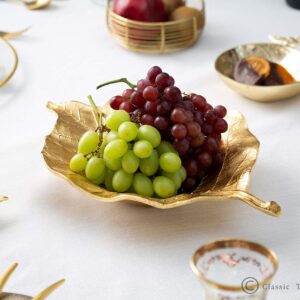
column 230, row 182
column 155, row 37
column 8, row 61
column 286, row 56
column 234, row 269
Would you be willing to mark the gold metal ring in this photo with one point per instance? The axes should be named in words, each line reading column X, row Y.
column 16, row 62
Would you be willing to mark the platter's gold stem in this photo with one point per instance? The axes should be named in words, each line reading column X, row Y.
column 271, row 208
column 12, row 35
column 46, row 292
column 3, row 198
column 4, row 278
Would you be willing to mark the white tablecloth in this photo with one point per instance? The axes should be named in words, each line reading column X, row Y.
column 121, row 251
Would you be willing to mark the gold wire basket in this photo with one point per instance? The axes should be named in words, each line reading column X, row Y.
column 155, row 37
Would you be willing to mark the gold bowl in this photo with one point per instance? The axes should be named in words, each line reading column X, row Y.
column 155, row 37
column 230, row 182
column 286, row 56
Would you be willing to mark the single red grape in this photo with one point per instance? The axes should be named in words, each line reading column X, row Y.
column 179, row 131
column 199, row 102
column 221, row 111
column 153, row 72
column 178, row 115
column 126, row 106
column 150, row 93
column 164, row 107
column 137, row 114
column 137, row 99
column 189, row 184
column 142, row 84
column 147, row 119
column 161, row 123
column 220, row 126
column 181, row 146
column 162, row 80
column 204, row 159
column 197, row 141
column 116, row 101
column 210, row 116
column 211, row 145
column 193, row 129
column 127, row 93
column 172, row 94
column 150, row 107
column 207, row 129
column 191, row 167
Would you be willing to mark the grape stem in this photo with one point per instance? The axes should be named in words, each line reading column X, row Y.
column 125, row 80
column 98, row 115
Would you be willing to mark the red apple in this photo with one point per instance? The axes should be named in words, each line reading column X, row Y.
column 141, row 10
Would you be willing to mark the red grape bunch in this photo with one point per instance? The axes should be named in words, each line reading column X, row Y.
column 189, row 122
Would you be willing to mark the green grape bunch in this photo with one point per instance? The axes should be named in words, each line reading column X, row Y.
column 124, row 156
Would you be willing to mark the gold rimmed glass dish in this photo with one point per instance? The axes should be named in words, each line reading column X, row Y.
column 234, row 269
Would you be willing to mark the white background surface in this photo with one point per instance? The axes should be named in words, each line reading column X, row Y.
column 121, row 251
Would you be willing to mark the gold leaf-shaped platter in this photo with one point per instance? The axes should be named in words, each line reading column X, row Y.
column 229, row 183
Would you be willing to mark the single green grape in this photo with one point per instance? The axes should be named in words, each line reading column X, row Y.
column 88, row 142
column 165, row 147
column 95, row 168
column 150, row 165
column 108, row 180
column 142, row 149
column 115, row 149
column 113, row 164
column 175, row 177
column 128, row 131
column 142, row 185
column 78, row 163
column 164, row 187
column 101, row 179
column 116, row 118
column 182, row 173
column 150, row 134
column 122, row 181
column 112, row 135
column 130, row 162
column 170, row 162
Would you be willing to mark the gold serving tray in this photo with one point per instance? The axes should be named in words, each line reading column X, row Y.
column 229, row 183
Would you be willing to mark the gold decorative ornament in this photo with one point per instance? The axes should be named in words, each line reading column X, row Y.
column 229, row 183
column 234, row 269
column 3, row 198
column 286, row 56
column 155, row 37
column 10, row 296
column 11, row 53
column 11, row 35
